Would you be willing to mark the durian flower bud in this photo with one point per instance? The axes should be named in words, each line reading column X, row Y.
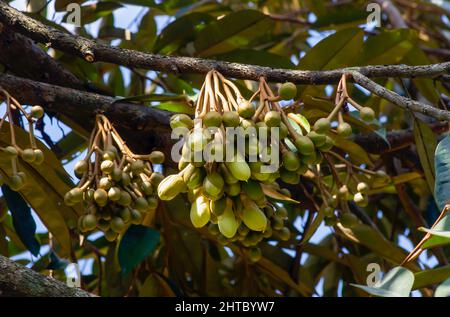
column 170, row 187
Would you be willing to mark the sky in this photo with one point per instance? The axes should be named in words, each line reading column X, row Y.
column 126, row 18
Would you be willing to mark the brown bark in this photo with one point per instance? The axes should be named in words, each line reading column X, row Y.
column 17, row 280
column 134, row 120
column 94, row 52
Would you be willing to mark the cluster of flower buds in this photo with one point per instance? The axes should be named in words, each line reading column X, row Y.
column 117, row 187
column 230, row 163
column 13, row 152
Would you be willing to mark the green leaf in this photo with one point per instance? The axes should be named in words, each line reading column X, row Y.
column 92, row 12
column 443, row 290
column 274, row 194
column 45, row 188
column 180, row 32
column 416, row 56
column 61, row 5
column 398, row 282
column 405, row 177
column 23, row 221
column 137, row 243
column 235, row 30
column 155, row 285
column 256, row 57
column 70, row 145
column 426, row 145
column 176, row 107
column 375, row 241
column 442, row 166
column 115, row 82
column 440, row 234
column 337, row 50
column 301, row 120
column 340, row 16
column 146, row 36
column 431, row 277
column 320, row 215
column 388, row 47
column 356, row 153
column 56, row 263
column 154, row 97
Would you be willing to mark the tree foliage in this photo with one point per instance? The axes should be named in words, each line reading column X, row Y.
column 406, row 154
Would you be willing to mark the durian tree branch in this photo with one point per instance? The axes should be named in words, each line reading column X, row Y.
column 35, row 64
column 92, row 51
column 17, row 280
column 134, row 118
column 403, row 102
column 81, row 106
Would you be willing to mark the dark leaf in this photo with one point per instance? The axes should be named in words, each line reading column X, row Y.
column 22, row 219
column 137, row 243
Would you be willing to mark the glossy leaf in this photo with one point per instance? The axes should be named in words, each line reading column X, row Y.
column 180, row 32
column 337, row 50
column 431, row 277
column 398, row 282
column 137, row 243
column 255, row 57
column 237, row 29
column 442, row 165
column 274, row 194
column 440, row 234
column 177, row 107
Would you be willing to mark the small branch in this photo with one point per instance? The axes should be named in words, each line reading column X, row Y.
column 441, row 52
column 92, row 51
column 17, row 280
column 402, row 102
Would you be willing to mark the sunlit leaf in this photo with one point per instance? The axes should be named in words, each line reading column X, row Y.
column 397, row 282
column 431, row 277
column 274, row 194
column 440, row 234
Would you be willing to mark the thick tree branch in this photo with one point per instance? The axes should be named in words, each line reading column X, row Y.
column 95, row 52
column 17, row 280
column 24, row 58
column 403, row 102
column 81, row 107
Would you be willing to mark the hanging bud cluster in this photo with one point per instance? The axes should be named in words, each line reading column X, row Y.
column 13, row 152
column 227, row 188
column 117, row 187
column 355, row 187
